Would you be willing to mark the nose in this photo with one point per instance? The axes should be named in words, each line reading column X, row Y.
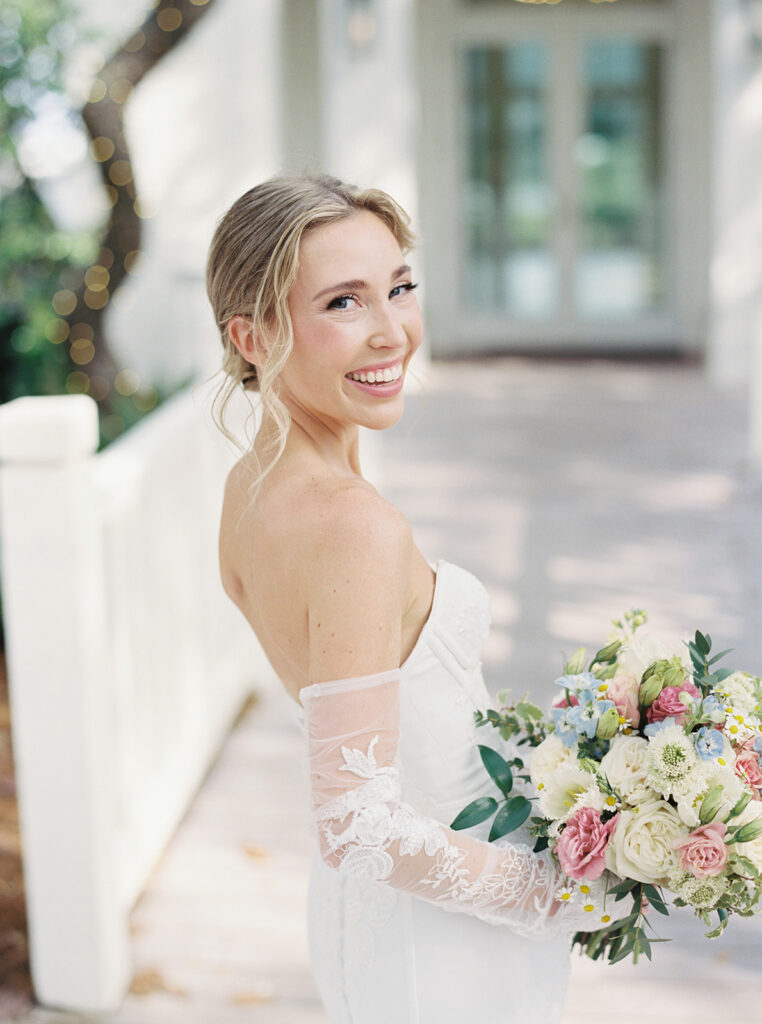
column 387, row 329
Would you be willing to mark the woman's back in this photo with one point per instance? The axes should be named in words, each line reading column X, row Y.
column 270, row 549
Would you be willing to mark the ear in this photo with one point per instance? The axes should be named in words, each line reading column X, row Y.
column 247, row 340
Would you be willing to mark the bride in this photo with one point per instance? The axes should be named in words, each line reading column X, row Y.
column 410, row 922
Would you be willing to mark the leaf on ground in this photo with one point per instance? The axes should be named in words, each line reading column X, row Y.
column 150, row 980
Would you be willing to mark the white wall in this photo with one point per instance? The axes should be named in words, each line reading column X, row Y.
column 204, row 127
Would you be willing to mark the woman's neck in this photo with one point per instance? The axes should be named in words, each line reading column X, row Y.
column 308, row 439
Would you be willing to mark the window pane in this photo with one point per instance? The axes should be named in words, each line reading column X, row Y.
column 620, row 270
column 509, row 267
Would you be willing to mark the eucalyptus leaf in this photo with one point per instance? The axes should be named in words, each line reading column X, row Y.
column 510, row 816
column 476, row 812
column 498, row 768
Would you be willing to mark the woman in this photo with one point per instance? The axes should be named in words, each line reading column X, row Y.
column 311, row 288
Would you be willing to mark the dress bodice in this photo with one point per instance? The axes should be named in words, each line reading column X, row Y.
column 440, row 689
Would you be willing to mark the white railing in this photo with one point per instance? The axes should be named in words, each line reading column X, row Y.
column 127, row 664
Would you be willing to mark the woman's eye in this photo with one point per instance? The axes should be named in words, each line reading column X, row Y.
column 400, row 289
column 340, row 302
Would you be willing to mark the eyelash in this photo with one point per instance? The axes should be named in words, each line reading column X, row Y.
column 408, row 286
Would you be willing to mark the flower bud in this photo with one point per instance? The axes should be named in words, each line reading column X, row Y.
column 608, row 724
column 751, row 830
column 650, row 689
column 608, row 652
column 662, row 673
column 576, row 663
column 710, row 805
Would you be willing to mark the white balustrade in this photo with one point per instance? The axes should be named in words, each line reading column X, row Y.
column 127, row 664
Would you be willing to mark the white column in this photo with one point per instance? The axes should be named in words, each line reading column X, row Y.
column 54, row 604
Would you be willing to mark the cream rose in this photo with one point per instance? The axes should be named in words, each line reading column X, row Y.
column 640, row 845
column 625, row 767
column 547, row 757
column 646, row 648
column 752, row 849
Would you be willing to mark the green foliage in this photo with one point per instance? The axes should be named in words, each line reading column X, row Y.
column 36, row 258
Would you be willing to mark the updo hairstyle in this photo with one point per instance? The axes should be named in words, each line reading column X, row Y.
column 252, row 265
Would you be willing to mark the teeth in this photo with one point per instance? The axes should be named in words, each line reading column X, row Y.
column 386, row 376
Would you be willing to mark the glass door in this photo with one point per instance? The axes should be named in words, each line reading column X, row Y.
column 564, row 185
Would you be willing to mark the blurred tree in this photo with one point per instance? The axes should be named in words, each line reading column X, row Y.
column 35, row 256
column 55, row 284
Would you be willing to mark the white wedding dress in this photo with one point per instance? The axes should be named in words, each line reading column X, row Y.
column 409, row 921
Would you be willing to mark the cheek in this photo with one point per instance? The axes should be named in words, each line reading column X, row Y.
column 414, row 329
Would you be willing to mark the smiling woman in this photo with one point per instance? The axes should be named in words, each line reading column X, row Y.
column 378, row 648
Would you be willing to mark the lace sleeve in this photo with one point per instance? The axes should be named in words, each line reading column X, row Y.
column 364, row 827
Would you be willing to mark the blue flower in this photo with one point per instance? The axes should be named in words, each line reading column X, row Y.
column 710, row 743
column 758, row 744
column 584, row 717
column 653, row 727
column 564, row 729
column 582, row 681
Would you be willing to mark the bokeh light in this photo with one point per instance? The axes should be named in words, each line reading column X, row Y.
column 56, row 331
column 127, row 382
column 169, row 19
column 64, row 302
column 112, row 426
column 120, row 90
column 101, row 149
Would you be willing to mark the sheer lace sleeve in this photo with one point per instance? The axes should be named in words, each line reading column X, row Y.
column 364, row 827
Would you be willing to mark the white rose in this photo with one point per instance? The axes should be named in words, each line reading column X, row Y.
column 562, row 789
column 646, row 648
column 625, row 767
column 547, row 757
column 752, row 849
column 640, row 845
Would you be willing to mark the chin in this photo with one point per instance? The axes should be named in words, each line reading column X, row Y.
column 385, row 418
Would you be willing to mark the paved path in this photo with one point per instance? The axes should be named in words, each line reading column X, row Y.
column 574, row 490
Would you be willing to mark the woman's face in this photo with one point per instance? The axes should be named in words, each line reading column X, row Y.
column 354, row 316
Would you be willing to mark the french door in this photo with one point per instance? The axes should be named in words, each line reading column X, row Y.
column 563, row 165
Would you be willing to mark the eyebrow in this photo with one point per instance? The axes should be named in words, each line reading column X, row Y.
column 357, row 284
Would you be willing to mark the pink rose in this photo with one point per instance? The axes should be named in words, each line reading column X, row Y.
column 668, row 703
column 747, row 768
column 562, row 702
column 581, row 847
column 623, row 690
column 703, row 852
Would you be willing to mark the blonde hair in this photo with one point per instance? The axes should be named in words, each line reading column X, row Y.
column 252, row 265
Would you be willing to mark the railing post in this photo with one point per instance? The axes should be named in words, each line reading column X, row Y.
column 62, row 708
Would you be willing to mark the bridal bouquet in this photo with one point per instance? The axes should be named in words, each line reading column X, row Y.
column 648, row 785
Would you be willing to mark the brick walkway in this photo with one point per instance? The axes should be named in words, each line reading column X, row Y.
column 574, row 490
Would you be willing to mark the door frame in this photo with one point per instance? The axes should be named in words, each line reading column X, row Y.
column 443, row 27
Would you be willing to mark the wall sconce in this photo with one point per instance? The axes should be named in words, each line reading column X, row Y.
column 361, row 26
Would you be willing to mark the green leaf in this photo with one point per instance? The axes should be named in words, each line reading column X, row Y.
column 623, row 887
column 703, row 643
column 477, row 811
column 541, row 843
column 529, row 711
column 498, row 768
column 720, row 655
column 510, row 816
